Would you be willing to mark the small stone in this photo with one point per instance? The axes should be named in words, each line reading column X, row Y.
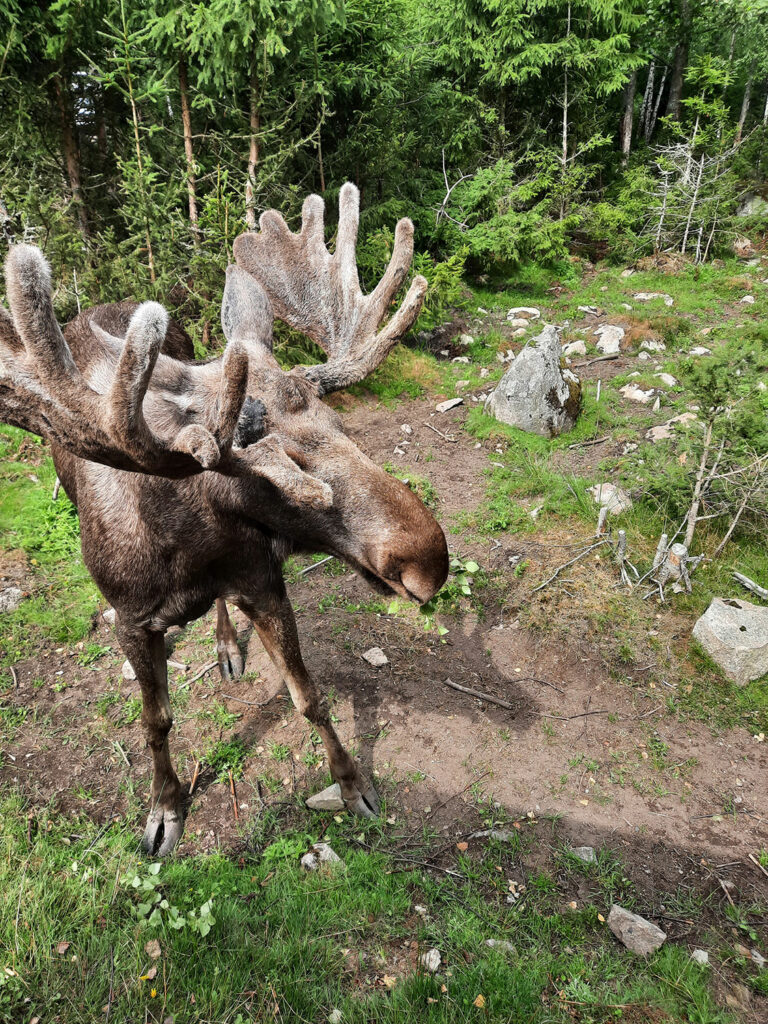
column 589, row 310
column 585, row 853
column 461, row 384
column 484, row 371
column 699, row 350
column 519, row 333
column 431, row 960
column 329, row 799
column 421, row 911
column 109, row 615
column 527, row 312
column 335, row 1017
column 500, row 944
column 611, row 336
column 644, row 357
column 748, row 300
column 700, row 956
column 500, row 835
column 407, row 429
column 10, row 599
column 664, row 431
column 666, row 378
column 627, row 273
column 575, row 348
column 638, row 935
column 448, row 404
column 376, row 657
column 652, row 345
column 127, row 671
column 517, row 322
column 321, row 853
column 466, row 339
column 626, row 305
column 614, row 498
column 649, row 296
column 636, row 394
column 757, row 958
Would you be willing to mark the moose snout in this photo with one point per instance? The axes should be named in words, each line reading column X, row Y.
column 414, row 564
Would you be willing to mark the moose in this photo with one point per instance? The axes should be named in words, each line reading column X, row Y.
column 195, row 481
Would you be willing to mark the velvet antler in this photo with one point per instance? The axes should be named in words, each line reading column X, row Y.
column 319, row 294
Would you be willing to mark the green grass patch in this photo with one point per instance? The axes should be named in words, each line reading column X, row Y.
column 89, row 924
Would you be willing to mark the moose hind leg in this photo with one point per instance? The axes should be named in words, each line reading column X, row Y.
column 231, row 662
column 146, row 653
column 278, row 634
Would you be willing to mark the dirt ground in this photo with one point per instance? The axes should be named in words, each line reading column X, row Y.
column 594, row 749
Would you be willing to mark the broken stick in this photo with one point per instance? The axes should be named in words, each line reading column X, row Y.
column 479, row 694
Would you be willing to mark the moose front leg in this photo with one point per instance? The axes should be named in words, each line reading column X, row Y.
column 231, row 663
column 146, row 653
column 277, row 631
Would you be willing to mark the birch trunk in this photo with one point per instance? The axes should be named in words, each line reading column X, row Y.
column 645, row 106
column 186, row 121
column 745, row 105
column 654, row 116
column 253, row 152
column 694, row 199
column 628, row 118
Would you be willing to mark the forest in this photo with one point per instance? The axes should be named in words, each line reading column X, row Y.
column 140, row 138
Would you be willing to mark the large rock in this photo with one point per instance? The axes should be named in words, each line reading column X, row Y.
column 753, row 205
column 734, row 633
column 611, row 337
column 637, row 934
column 535, row 394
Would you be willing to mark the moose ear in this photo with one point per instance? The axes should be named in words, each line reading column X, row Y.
column 246, row 312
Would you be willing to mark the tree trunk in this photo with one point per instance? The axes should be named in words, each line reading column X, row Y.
column 186, row 121
column 253, row 152
column 745, row 105
column 652, row 117
column 646, row 105
column 680, row 62
column 628, row 118
column 71, row 151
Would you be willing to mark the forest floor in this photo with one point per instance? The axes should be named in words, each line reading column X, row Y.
column 621, row 734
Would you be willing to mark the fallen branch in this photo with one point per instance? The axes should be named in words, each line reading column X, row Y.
column 195, row 775
column 757, row 864
column 445, row 437
column 479, row 694
column 203, row 671
column 557, row 571
column 15, row 678
column 598, row 359
column 570, row 718
column 588, row 444
column 745, row 581
column 118, row 747
column 316, row 565
column 234, row 794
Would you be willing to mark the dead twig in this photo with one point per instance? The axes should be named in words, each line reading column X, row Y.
column 234, row 794
column 203, row 671
column 445, row 437
column 316, row 565
column 544, row 682
column 598, row 359
column 195, row 775
column 119, row 748
column 588, row 444
column 745, row 581
column 569, row 718
column 560, row 568
column 757, row 864
column 479, row 694
column 15, row 678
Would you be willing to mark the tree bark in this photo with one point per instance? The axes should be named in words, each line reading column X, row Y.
column 253, row 152
column 186, row 121
column 628, row 118
column 745, row 105
column 647, row 104
column 680, row 61
column 71, row 151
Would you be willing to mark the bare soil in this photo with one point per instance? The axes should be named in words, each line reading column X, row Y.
column 581, row 745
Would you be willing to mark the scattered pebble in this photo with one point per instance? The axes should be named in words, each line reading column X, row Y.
column 575, row 348
column 329, row 799
column 127, row 671
column 585, row 853
column 700, row 956
column 611, row 336
column 321, row 853
column 667, row 378
column 517, row 321
column 649, row 296
column 748, row 300
column 699, row 350
column 614, row 498
column 651, row 345
column 500, row 944
column 10, row 599
column 527, row 312
column 466, row 339
column 636, row 394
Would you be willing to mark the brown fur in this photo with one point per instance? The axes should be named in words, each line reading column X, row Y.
column 163, row 549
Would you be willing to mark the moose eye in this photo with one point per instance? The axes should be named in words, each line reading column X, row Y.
column 252, row 423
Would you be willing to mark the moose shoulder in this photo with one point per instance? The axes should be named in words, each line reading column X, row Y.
column 194, row 482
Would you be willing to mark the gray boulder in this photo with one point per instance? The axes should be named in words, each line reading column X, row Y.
column 536, row 394
column 638, row 935
column 734, row 633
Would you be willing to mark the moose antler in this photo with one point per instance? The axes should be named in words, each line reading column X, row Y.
column 42, row 390
column 319, row 294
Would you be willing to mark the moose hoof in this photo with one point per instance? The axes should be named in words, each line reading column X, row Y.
column 365, row 804
column 231, row 662
column 163, row 831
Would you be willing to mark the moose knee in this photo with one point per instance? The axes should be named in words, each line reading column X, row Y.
column 157, row 724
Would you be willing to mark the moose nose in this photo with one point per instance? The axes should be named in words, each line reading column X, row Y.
column 424, row 575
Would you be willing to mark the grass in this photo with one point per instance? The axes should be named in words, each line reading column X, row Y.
column 64, row 599
column 89, row 924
